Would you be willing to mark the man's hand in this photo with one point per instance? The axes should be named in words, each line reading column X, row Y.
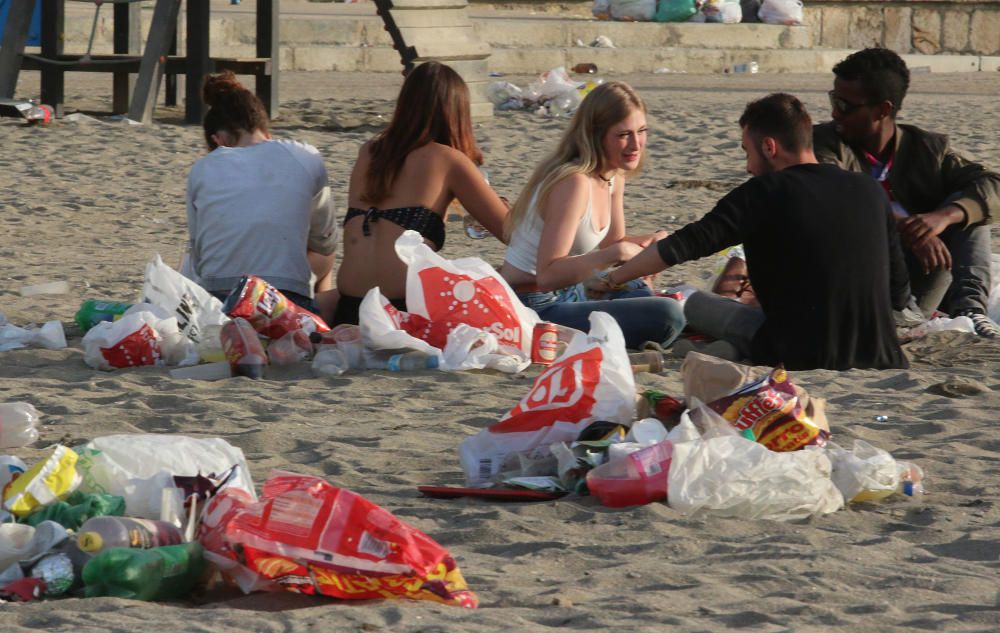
column 933, row 255
column 917, row 230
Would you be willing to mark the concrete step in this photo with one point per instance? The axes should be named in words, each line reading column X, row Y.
column 351, row 38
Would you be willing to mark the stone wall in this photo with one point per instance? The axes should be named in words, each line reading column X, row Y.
column 915, row 26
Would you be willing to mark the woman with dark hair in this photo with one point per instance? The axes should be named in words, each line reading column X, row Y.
column 258, row 206
column 405, row 178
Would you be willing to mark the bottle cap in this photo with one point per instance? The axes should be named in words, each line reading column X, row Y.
column 89, row 541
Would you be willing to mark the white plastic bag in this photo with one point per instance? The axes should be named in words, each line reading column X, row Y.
column 591, row 381
column 457, row 346
column 788, row 12
column 642, row 10
column 943, row 324
column 466, row 290
column 732, row 476
column 192, row 305
column 139, row 466
column 866, row 473
column 49, row 336
column 143, row 336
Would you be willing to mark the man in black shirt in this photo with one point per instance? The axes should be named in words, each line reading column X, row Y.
column 822, row 252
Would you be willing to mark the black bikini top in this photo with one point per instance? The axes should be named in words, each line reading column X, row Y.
column 419, row 219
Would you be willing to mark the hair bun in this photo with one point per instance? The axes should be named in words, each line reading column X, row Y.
column 219, row 84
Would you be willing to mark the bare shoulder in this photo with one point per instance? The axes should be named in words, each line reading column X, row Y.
column 571, row 185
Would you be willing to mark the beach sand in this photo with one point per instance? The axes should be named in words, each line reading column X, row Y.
column 91, row 202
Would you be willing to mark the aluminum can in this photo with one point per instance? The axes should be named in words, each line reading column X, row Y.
column 544, row 343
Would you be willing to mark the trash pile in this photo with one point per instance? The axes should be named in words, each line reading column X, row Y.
column 462, row 315
column 787, row 12
column 553, row 93
column 741, row 444
column 159, row 517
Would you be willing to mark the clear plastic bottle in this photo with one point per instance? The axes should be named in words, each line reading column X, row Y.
column 329, row 361
column 18, row 424
column 100, row 533
column 399, row 361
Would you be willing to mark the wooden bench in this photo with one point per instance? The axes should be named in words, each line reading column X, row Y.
column 156, row 61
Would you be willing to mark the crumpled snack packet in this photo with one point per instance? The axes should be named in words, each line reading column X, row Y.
column 775, row 413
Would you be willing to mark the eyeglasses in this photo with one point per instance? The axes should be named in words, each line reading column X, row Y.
column 841, row 105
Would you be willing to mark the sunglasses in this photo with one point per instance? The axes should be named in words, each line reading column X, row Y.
column 843, row 106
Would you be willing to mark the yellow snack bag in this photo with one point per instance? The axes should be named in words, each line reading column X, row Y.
column 45, row 483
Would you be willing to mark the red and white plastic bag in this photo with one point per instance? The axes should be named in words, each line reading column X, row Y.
column 145, row 335
column 466, row 290
column 458, row 346
column 591, row 381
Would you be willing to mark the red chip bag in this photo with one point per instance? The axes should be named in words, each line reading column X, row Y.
column 773, row 412
column 269, row 311
column 311, row 537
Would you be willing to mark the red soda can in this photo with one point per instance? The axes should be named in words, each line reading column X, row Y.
column 544, row 343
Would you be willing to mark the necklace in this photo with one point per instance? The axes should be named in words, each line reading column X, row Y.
column 607, row 180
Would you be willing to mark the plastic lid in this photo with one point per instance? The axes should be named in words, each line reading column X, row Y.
column 89, row 541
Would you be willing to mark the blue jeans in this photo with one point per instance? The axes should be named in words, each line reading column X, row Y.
column 641, row 316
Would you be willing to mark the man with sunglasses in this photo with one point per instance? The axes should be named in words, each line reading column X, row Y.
column 943, row 203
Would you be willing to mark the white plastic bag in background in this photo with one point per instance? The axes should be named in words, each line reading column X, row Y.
column 466, row 290
column 943, row 324
column 192, row 305
column 49, row 336
column 732, row 476
column 788, row 12
column 642, row 10
column 137, row 466
column 591, row 381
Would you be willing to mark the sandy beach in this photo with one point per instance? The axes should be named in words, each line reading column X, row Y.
column 91, row 202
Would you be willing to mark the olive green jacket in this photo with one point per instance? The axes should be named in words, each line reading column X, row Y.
column 925, row 172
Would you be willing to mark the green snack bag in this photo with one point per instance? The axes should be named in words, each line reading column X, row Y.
column 77, row 508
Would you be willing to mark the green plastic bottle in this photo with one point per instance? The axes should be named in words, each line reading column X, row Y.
column 160, row 573
column 92, row 312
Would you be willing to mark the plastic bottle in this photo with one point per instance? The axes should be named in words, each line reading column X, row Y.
column 243, row 349
column 105, row 532
column 329, row 361
column 290, row 348
column 161, row 573
column 210, row 344
column 405, row 361
column 93, row 311
column 18, row 424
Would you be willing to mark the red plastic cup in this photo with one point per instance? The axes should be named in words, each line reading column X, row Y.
column 635, row 480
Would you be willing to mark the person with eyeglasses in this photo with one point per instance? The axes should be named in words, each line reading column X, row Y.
column 822, row 254
column 942, row 201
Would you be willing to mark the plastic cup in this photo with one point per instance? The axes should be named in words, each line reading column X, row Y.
column 636, row 479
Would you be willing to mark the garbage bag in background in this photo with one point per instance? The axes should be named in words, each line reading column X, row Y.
column 591, row 381
column 311, row 537
column 728, row 475
column 639, row 10
column 787, row 12
column 675, row 10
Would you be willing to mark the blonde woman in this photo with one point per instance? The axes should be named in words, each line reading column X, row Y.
column 568, row 225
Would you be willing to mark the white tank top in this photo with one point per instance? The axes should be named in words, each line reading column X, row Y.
column 522, row 252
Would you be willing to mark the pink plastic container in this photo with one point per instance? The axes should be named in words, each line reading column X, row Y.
column 634, row 480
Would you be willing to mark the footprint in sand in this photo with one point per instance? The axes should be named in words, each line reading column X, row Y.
column 958, row 388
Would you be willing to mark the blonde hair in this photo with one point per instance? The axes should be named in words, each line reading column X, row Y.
column 581, row 149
